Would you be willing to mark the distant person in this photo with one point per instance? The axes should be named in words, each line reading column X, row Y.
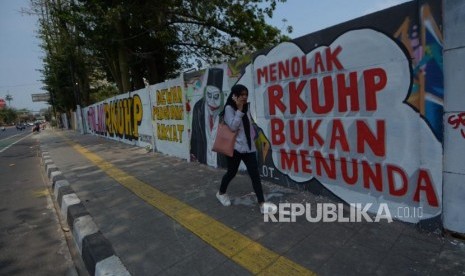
column 36, row 127
column 237, row 116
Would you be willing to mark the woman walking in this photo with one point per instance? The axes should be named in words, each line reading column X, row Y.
column 237, row 116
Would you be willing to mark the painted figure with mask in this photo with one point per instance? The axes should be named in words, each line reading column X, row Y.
column 205, row 121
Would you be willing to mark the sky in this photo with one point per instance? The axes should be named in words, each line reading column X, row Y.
column 21, row 56
column 308, row 16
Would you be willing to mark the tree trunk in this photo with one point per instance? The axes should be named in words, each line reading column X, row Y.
column 123, row 58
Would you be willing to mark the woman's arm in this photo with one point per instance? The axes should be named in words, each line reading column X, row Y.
column 232, row 118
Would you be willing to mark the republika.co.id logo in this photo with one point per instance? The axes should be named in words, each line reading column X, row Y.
column 332, row 212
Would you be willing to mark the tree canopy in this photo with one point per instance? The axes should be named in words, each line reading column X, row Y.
column 98, row 48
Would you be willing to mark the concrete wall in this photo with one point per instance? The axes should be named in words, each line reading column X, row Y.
column 454, row 116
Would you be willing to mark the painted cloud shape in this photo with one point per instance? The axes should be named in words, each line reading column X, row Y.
column 338, row 114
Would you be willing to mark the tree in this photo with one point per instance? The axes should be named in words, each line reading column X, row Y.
column 59, row 72
column 122, row 41
column 8, row 115
column 24, row 115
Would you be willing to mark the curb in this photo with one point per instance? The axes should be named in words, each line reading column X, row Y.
column 95, row 250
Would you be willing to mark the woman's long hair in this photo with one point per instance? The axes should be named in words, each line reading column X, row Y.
column 236, row 90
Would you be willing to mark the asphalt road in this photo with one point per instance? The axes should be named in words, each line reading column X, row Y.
column 32, row 242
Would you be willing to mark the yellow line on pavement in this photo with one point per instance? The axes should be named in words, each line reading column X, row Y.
column 244, row 251
column 41, row 192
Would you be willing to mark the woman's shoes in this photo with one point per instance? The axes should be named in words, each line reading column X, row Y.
column 265, row 208
column 268, row 208
column 224, row 199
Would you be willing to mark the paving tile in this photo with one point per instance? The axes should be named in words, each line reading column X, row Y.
column 399, row 265
column 333, row 233
column 258, row 229
column 375, row 236
column 416, row 249
column 229, row 268
column 311, row 253
column 449, row 262
column 283, row 238
column 204, row 261
column 353, row 260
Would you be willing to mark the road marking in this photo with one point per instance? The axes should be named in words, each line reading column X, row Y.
column 236, row 246
column 7, row 147
column 41, row 193
column 9, row 137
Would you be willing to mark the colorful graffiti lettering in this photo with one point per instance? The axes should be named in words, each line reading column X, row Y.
column 96, row 119
column 169, row 107
column 123, row 117
column 323, row 62
column 347, row 96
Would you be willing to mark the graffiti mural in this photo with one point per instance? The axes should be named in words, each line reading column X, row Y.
column 208, row 101
column 424, row 41
column 337, row 114
column 345, row 114
column 169, row 118
column 122, row 118
column 96, row 119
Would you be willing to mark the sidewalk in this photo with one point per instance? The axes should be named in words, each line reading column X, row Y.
column 160, row 216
